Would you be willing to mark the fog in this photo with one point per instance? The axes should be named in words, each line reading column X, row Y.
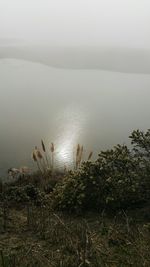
column 108, row 58
column 71, row 71
column 81, row 22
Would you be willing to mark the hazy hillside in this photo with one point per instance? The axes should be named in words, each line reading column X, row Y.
column 111, row 59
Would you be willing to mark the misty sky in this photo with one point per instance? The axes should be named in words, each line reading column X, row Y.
column 124, row 23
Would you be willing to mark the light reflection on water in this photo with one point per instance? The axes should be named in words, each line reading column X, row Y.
column 72, row 124
column 95, row 108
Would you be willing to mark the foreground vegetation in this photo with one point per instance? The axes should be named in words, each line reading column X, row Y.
column 97, row 214
column 37, row 236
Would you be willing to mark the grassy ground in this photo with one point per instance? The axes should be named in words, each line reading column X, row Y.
column 36, row 236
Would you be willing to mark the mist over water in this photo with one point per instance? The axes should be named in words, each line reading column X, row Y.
column 66, row 106
column 71, row 72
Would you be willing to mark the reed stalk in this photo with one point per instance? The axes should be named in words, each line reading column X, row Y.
column 34, row 158
column 52, row 149
column 40, row 158
column 45, row 153
column 81, row 155
column 77, row 155
column 90, row 155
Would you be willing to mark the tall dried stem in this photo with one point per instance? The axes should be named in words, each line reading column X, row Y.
column 45, row 153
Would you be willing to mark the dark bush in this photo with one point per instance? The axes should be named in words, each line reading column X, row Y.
column 119, row 178
column 23, row 194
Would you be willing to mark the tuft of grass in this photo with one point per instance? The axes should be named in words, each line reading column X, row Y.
column 45, row 161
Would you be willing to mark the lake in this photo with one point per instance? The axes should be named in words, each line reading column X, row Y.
column 94, row 107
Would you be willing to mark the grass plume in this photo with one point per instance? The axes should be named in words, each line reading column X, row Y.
column 90, row 155
column 45, row 154
column 52, row 149
column 35, row 159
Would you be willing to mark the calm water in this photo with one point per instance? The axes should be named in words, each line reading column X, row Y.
column 93, row 107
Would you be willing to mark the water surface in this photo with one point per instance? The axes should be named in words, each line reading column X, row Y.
column 67, row 106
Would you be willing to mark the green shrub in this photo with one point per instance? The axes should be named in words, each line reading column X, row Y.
column 23, row 194
column 112, row 181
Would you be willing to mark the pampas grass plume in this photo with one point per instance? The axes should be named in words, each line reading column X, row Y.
column 52, row 147
column 43, row 145
column 90, row 155
column 39, row 154
column 34, row 156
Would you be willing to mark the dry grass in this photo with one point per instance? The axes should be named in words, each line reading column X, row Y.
column 44, row 161
column 45, row 158
column 80, row 156
column 37, row 236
